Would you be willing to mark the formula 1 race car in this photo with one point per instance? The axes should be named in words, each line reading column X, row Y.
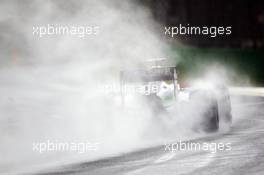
column 158, row 86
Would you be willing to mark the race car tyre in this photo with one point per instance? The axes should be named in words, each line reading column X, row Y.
column 206, row 107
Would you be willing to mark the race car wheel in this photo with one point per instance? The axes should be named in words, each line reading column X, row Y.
column 206, row 107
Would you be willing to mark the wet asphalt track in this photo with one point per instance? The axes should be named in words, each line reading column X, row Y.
column 246, row 157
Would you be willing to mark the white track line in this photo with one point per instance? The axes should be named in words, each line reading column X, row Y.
column 166, row 157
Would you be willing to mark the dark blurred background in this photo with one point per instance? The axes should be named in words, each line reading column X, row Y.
column 243, row 50
column 246, row 17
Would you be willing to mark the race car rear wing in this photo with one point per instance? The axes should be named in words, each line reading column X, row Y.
column 149, row 75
